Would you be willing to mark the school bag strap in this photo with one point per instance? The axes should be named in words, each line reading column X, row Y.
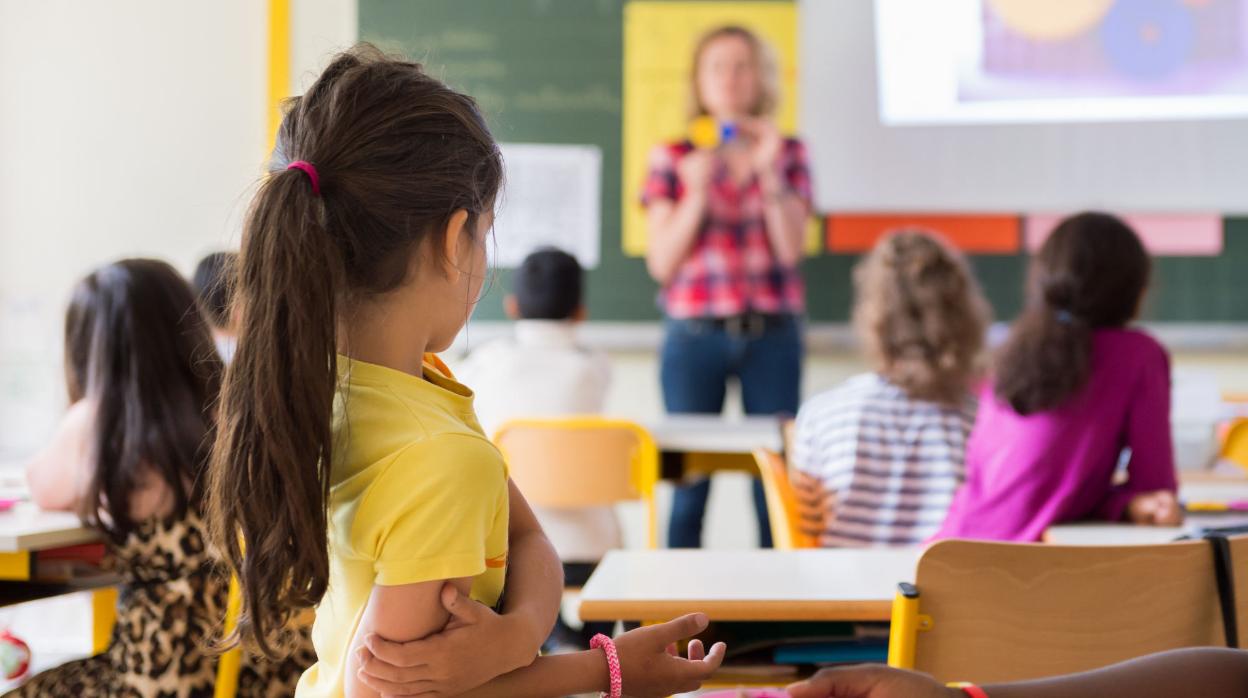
column 1224, row 573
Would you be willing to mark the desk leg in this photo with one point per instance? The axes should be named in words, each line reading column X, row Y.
column 672, row 465
column 103, row 618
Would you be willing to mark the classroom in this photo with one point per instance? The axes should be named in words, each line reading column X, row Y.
column 543, row 348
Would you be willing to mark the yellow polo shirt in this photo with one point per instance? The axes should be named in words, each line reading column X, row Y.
column 418, row 494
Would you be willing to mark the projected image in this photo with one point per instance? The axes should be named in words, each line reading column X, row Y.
column 1059, row 60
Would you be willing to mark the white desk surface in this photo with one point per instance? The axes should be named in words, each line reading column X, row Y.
column 1092, row 533
column 716, row 434
column 753, row 585
column 1221, row 491
column 1193, row 488
column 26, row 527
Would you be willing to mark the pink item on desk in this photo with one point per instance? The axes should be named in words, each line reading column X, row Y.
column 14, row 656
column 7, row 504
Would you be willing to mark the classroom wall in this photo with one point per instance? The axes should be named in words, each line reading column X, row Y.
column 128, row 127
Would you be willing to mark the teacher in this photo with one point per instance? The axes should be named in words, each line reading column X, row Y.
column 726, row 231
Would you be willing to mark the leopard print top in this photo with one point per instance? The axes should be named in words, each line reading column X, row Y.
column 173, row 597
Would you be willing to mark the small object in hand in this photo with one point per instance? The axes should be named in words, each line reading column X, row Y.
column 14, row 656
column 707, row 133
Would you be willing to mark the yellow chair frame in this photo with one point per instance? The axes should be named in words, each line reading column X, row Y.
column 782, row 508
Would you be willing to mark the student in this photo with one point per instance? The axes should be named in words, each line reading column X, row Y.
column 543, row 371
column 1073, row 387
column 128, row 457
column 1188, row 673
column 889, row 446
column 213, row 280
column 350, row 472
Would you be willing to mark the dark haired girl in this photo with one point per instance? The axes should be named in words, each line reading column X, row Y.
column 1073, row 387
column 130, row 457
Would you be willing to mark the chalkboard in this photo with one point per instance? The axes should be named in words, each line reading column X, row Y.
column 550, row 71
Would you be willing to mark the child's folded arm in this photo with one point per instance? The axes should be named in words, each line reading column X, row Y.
column 398, row 613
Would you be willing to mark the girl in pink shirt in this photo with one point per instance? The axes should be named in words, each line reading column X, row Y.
column 1073, row 391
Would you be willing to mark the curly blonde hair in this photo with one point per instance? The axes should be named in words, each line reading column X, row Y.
column 768, row 98
column 921, row 315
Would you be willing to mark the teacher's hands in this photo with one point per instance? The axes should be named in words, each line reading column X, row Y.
column 695, row 170
column 766, row 147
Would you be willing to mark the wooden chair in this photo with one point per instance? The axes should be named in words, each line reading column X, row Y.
column 990, row 612
column 574, row 462
column 784, row 510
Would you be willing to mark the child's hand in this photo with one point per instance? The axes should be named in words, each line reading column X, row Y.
column 650, row 669
column 870, row 682
column 1159, row 508
column 448, row 663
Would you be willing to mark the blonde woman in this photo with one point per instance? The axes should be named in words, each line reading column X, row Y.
column 889, row 446
column 726, row 229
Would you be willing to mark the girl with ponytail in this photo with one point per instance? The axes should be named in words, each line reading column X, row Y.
column 1073, row 388
column 349, row 473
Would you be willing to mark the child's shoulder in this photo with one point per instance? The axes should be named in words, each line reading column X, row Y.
column 854, row 392
column 1125, row 343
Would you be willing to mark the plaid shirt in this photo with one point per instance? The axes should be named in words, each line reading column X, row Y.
column 731, row 269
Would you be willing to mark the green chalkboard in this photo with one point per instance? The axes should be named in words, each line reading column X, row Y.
column 550, row 71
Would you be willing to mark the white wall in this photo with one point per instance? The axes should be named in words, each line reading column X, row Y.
column 128, row 127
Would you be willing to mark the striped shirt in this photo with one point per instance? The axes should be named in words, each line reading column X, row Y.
column 892, row 462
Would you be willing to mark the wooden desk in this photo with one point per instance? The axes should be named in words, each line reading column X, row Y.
column 748, row 585
column 715, row 434
column 706, row 443
column 27, row 528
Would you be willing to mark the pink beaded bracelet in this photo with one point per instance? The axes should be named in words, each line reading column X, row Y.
column 607, row 645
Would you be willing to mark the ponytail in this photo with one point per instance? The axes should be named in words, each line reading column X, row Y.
column 1091, row 273
column 270, row 476
column 384, row 156
column 1046, row 360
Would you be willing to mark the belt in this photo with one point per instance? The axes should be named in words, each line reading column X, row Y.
column 746, row 324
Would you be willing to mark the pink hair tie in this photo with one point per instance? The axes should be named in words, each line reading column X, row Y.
column 310, row 170
column 607, row 645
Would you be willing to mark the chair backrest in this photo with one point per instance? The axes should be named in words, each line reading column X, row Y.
column 575, row 462
column 782, row 505
column 1235, row 443
column 990, row 612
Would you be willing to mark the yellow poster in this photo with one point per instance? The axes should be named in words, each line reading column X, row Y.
column 659, row 38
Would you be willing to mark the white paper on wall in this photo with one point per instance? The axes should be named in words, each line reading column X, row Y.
column 552, row 198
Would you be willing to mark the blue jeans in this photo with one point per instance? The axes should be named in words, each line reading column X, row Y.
column 698, row 357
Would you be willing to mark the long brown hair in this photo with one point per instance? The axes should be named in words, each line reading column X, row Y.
column 397, row 154
column 138, row 348
column 1091, row 273
column 921, row 315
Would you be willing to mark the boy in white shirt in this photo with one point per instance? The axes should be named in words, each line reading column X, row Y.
column 542, row 371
